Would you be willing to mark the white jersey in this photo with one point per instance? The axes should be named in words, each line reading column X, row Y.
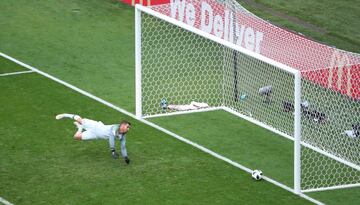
column 100, row 130
column 97, row 130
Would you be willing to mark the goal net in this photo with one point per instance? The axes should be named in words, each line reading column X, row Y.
column 194, row 56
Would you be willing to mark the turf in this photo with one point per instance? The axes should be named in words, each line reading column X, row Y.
column 252, row 147
column 42, row 164
column 91, row 44
column 88, row 43
column 238, row 140
column 9, row 67
column 336, row 20
column 199, row 77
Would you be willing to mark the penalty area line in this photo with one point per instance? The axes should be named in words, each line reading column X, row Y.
column 5, row 202
column 16, row 73
column 200, row 147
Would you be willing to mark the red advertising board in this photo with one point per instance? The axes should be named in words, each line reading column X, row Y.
column 324, row 65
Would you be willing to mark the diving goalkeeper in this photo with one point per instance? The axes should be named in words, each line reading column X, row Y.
column 97, row 130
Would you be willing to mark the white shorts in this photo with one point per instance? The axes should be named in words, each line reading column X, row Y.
column 94, row 130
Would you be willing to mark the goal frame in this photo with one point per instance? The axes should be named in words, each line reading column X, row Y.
column 297, row 83
column 297, row 98
column 139, row 9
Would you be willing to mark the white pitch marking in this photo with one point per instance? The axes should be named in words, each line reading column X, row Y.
column 216, row 155
column 16, row 73
column 5, row 202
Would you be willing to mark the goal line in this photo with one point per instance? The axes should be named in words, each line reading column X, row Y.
column 189, row 60
column 121, row 110
column 352, row 165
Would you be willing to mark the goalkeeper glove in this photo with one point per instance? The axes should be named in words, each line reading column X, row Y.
column 127, row 160
column 114, row 154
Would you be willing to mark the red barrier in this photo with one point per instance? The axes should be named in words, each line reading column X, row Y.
column 329, row 67
column 344, row 80
column 323, row 65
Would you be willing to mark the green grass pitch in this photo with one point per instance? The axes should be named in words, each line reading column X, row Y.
column 42, row 164
column 85, row 42
column 194, row 75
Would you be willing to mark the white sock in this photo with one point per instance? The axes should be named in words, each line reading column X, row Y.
column 75, row 117
column 66, row 115
column 72, row 116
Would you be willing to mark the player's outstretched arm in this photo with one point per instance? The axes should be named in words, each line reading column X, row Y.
column 114, row 154
column 123, row 150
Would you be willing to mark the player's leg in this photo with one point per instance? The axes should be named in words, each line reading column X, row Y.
column 94, row 130
column 86, row 135
column 71, row 116
column 89, row 124
column 78, row 134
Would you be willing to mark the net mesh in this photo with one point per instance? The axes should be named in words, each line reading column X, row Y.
column 180, row 66
column 324, row 123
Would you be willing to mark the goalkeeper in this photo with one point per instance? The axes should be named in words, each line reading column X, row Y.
column 97, row 130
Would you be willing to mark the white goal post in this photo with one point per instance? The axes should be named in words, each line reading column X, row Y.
column 227, row 77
